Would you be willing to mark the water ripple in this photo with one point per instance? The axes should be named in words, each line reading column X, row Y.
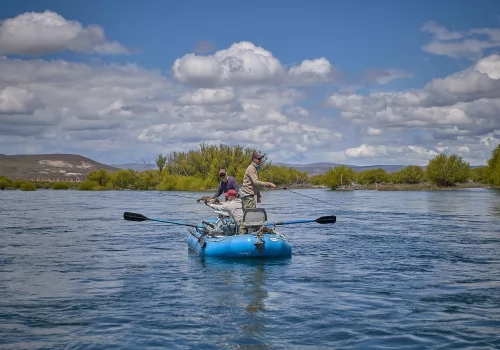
column 402, row 270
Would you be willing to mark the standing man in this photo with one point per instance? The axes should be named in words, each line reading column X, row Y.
column 251, row 183
column 226, row 183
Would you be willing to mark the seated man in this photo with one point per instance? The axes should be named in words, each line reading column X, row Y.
column 233, row 206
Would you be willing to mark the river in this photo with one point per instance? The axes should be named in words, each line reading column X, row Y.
column 398, row 270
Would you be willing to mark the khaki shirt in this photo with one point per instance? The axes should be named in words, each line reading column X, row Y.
column 251, row 183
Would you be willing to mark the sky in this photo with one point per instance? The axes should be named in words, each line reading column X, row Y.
column 350, row 82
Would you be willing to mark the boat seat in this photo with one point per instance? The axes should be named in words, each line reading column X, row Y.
column 254, row 218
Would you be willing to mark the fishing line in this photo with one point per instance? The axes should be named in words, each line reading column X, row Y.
column 177, row 195
column 316, row 199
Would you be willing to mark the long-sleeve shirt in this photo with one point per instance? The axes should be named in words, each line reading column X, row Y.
column 251, row 183
column 226, row 186
column 234, row 208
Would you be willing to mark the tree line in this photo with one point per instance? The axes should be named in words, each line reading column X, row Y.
column 197, row 170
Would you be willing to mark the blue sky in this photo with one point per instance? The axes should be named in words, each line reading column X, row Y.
column 355, row 37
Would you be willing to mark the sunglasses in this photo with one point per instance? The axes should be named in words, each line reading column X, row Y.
column 222, row 175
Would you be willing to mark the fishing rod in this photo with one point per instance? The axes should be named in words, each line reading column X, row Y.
column 216, row 201
column 177, row 195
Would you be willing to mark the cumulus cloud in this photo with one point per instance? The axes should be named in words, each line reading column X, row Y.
column 14, row 100
column 240, row 95
column 470, row 43
column 130, row 110
column 35, row 33
column 312, row 72
column 459, row 108
column 245, row 63
column 373, row 131
column 385, row 151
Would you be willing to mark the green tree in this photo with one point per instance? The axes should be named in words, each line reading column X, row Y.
column 412, row 174
column 160, row 161
column 479, row 174
column 124, row 179
column 493, row 171
column 317, row 180
column 340, row 175
column 372, row 176
column 446, row 170
column 100, row 176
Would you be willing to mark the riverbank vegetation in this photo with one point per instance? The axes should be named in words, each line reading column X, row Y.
column 197, row 170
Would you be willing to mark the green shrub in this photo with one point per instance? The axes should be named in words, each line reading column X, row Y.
column 5, row 182
column 88, row 185
column 27, row 186
column 60, row 186
column 372, row 176
column 340, row 175
column 412, row 174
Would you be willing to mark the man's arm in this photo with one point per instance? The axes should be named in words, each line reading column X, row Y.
column 222, row 207
column 219, row 191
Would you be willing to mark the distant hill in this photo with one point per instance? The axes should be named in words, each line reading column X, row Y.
column 311, row 169
column 135, row 166
column 49, row 167
column 321, row 168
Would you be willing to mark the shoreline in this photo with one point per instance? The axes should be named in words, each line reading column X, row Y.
column 356, row 187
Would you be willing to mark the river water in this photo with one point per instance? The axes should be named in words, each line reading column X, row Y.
column 399, row 270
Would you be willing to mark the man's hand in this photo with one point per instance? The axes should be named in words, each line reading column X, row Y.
column 272, row 185
column 259, row 199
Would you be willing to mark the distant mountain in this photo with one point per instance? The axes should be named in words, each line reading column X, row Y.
column 135, row 166
column 50, row 167
column 321, row 168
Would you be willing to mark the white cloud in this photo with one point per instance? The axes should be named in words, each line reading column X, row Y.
column 35, row 33
column 444, row 114
column 312, row 72
column 241, row 95
column 14, row 100
column 470, row 43
column 389, row 152
column 466, row 100
column 373, row 131
column 245, row 63
column 208, row 97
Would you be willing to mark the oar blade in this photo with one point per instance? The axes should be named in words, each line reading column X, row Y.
column 326, row 219
column 134, row 217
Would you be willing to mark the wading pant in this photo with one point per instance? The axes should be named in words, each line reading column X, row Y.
column 248, row 202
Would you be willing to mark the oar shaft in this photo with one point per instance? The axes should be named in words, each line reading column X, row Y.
column 172, row 222
column 289, row 222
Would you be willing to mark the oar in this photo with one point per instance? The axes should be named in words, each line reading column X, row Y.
column 139, row 217
column 322, row 220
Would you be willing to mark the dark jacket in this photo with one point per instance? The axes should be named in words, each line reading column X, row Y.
column 226, row 186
